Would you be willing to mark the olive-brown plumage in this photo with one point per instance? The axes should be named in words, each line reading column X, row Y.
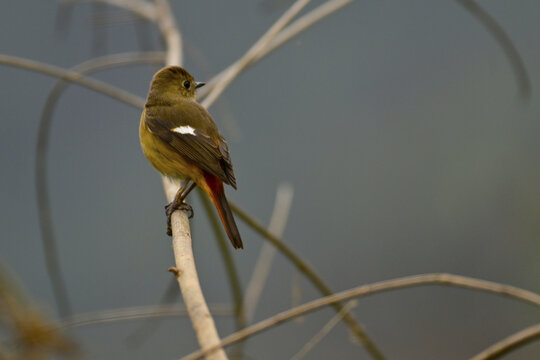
column 182, row 141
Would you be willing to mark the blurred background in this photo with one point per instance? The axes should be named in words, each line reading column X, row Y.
column 399, row 125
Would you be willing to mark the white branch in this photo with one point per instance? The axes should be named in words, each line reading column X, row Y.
column 186, row 275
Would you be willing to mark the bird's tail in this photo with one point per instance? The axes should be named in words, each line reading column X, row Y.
column 217, row 195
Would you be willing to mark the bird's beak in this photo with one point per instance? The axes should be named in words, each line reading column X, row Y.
column 199, row 84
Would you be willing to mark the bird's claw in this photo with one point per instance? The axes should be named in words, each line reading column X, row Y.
column 187, row 208
column 171, row 208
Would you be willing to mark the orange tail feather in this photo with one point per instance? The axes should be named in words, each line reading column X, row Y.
column 217, row 195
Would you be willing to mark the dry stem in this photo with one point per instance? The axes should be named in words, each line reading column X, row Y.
column 135, row 313
column 278, row 221
column 364, row 290
column 510, row 343
column 324, row 331
column 235, row 69
column 187, row 278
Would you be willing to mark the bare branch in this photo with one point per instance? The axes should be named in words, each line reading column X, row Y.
column 167, row 26
column 364, row 290
column 134, row 313
column 510, row 343
column 188, row 280
column 233, row 70
column 319, row 284
column 260, row 273
column 187, row 277
column 138, row 336
column 324, row 331
column 506, row 44
column 44, row 208
column 219, row 83
column 302, row 23
column 283, row 36
column 75, row 77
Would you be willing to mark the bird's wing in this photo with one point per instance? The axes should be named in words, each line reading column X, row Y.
column 201, row 144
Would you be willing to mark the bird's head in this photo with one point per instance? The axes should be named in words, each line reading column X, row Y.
column 173, row 82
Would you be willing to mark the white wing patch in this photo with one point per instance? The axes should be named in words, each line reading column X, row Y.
column 185, row 130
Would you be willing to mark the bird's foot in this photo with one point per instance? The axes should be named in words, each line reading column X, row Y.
column 171, row 208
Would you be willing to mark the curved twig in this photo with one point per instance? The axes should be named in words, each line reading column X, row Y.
column 169, row 30
column 135, row 313
column 288, row 32
column 370, row 289
column 220, row 82
column 506, row 44
column 235, row 69
column 305, row 269
column 72, row 76
column 510, row 343
column 263, row 264
column 325, row 330
column 44, row 208
column 139, row 335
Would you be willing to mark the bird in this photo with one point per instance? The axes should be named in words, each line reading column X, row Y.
column 181, row 141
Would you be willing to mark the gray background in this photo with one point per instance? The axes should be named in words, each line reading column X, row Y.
column 397, row 122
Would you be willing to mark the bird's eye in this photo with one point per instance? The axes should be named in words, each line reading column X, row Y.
column 187, row 84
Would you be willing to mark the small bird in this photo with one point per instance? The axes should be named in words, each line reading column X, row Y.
column 181, row 140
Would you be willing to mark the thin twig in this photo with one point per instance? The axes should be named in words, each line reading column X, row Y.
column 135, row 313
column 139, row 335
column 44, row 207
column 233, row 70
column 302, row 23
column 370, row 289
column 295, row 28
column 506, row 44
column 169, row 30
column 510, row 343
column 139, row 7
column 324, row 331
column 319, row 284
column 72, row 76
column 219, row 84
column 260, row 273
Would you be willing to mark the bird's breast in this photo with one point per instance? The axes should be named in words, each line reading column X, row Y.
column 165, row 159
